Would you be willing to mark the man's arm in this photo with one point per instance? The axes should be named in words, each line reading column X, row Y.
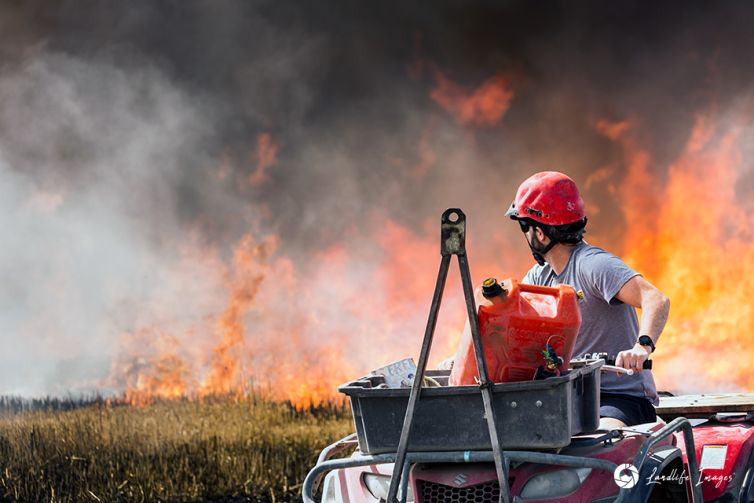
column 655, row 306
column 638, row 292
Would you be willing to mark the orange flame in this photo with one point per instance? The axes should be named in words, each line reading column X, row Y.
column 226, row 375
column 293, row 331
column 266, row 156
column 691, row 235
column 482, row 107
column 163, row 375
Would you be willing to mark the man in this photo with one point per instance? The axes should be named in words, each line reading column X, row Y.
column 550, row 211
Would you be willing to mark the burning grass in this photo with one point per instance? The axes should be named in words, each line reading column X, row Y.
column 202, row 450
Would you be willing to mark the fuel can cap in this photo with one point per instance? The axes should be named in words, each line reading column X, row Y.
column 491, row 288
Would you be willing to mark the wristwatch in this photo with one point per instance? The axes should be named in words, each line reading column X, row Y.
column 645, row 340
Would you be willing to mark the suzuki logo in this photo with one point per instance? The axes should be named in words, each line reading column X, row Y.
column 461, row 479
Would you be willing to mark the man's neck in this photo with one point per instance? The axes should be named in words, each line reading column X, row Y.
column 558, row 256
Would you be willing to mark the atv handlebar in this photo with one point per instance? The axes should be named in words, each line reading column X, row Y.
column 609, row 361
column 646, row 366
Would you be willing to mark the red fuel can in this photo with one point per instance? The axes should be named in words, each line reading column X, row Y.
column 515, row 331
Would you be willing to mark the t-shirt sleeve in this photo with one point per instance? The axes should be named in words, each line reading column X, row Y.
column 607, row 274
column 530, row 278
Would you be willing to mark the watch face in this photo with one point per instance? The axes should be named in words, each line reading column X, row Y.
column 645, row 340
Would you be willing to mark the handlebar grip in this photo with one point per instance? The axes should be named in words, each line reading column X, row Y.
column 646, row 366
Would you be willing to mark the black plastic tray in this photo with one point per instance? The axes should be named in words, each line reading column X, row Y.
column 529, row 415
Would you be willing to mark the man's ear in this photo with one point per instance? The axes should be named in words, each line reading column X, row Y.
column 541, row 235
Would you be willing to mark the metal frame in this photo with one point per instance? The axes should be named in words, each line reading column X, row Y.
column 452, row 242
column 324, row 465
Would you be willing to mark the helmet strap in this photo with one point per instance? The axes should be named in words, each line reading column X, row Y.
column 539, row 250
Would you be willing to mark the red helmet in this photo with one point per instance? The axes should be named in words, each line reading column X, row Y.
column 550, row 198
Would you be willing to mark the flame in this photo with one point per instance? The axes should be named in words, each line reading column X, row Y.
column 266, row 156
column 162, row 375
column 226, row 375
column 690, row 234
column 155, row 363
column 482, row 107
column 290, row 329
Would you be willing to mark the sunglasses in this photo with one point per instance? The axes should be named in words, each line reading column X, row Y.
column 525, row 226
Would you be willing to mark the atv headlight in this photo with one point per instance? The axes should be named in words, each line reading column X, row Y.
column 378, row 486
column 554, row 484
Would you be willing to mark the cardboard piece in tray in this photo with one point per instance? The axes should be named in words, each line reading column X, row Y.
column 398, row 374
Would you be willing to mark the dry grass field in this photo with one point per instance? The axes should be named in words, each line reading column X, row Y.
column 208, row 450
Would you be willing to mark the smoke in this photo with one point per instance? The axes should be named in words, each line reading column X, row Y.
column 90, row 157
column 140, row 142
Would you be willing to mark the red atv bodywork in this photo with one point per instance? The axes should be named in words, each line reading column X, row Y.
column 738, row 439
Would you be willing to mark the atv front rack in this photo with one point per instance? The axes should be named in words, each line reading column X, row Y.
column 633, row 495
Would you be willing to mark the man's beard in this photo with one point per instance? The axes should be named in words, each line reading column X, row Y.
column 538, row 248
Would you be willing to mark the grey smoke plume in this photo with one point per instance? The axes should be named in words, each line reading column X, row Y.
column 128, row 133
column 90, row 157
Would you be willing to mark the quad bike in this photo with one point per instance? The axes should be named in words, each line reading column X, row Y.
column 528, row 441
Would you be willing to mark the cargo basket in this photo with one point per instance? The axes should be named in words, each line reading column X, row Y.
column 529, row 415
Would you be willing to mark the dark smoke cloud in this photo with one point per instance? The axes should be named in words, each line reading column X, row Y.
column 116, row 117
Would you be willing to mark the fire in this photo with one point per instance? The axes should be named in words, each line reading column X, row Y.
column 484, row 106
column 266, row 156
column 226, row 375
column 293, row 330
column 155, row 363
column 690, row 234
column 162, row 374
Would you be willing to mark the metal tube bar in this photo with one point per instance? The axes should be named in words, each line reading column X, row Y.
column 308, row 489
column 400, row 459
column 337, row 447
column 484, row 382
column 688, row 439
column 404, row 482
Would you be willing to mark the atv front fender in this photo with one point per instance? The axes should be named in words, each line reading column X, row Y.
column 662, row 475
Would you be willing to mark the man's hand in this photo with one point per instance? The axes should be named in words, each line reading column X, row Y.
column 632, row 359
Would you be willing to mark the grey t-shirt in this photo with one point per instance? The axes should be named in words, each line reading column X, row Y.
column 607, row 324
